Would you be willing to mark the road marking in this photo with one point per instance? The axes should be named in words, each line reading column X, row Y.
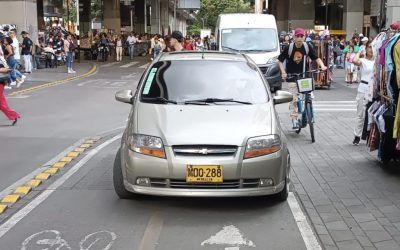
column 96, row 239
column 50, row 84
column 11, row 198
column 144, row 66
column 31, row 175
column 306, row 232
column 51, row 171
column 73, row 154
column 23, row 190
column 59, row 164
column 19, row 97
column 42, row 176
column 152, row 233
column 347, row 110
column 57, row 242
column 13, row 220
column 229, row 235
column 128, row 65
column 109, row 64
column 3, row 208
column 34, row 183
column 133, row 75
column 86, row 82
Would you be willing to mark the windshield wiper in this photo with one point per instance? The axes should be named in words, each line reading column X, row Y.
column 215, row 100
column 226, row 47
column 158, row 99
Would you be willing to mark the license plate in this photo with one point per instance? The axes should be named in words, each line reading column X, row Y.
column 204, row 174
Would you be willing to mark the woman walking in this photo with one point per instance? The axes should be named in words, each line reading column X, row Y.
column 350, row 65
column 11, row 114
column 118, row 48
column 367, row 74
column 15, row 76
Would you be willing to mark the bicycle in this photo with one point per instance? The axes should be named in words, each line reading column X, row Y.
column 305, row 85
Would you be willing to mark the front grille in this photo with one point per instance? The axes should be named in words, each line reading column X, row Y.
column 182, row 184
column 204, row 150
column 227, row 184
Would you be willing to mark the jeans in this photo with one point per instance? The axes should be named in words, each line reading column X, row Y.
column 27, row 62
column 131, row 50
column 119, row 53
column 14, row 73
column 70, row 58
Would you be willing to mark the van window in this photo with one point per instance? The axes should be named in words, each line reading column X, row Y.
column 249, row 40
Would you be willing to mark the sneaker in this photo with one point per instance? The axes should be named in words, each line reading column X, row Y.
column 70, row 71
column 356, row 141
column 7, row 87
column 19, row 83
column 73, row 71
column 13, row 83
column 23, row 77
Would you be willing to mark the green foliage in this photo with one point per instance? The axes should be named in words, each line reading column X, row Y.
column 193, row 29
column 210, row 9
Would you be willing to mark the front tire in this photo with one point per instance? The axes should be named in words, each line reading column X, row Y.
column 118, row 179
column 310, row 121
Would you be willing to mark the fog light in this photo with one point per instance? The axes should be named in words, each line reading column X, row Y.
column 266, row 182
column 143, row 182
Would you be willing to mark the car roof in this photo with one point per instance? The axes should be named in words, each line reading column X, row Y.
column 206, row 55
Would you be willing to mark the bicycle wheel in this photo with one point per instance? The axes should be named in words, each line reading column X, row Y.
column 310, row 120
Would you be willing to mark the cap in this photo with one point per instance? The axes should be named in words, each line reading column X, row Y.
column 361, row 35
column 395, row 25
column 299, row 31
column 24, row 32
column 365, row 39
column 177, row 35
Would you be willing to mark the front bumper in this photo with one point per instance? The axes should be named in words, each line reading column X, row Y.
column 173, row 169
column 244, row 192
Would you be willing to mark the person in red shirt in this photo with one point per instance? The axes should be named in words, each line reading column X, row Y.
column 188, row 44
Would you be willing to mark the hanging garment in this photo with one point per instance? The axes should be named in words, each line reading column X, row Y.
column 388, row 52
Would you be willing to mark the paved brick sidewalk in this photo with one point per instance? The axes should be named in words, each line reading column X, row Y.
column 353, row 202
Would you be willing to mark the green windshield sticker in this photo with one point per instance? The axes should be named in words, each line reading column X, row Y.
column 150, row 78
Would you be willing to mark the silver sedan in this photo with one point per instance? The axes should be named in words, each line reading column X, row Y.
column 202, row 125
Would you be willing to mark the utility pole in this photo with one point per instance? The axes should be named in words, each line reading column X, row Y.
column 175, row 3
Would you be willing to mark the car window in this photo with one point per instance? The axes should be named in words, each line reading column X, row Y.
column 186, row 80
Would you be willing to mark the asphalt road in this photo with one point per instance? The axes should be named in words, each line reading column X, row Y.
column 79, row 210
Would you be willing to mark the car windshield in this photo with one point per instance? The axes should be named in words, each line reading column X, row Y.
column 249, row 40
column 204, row 82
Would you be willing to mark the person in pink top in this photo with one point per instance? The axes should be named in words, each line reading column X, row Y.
column 349, row 65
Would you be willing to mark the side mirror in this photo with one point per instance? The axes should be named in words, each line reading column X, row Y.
column 282, row 97
column 124, row 96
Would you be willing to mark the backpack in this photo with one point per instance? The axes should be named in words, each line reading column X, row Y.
column 306, row 47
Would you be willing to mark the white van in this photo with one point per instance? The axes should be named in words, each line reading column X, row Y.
column 255, row 35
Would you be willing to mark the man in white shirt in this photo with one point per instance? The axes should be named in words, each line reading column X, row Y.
column 131, row 40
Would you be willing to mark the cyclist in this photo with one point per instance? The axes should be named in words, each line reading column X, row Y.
column 296, row 55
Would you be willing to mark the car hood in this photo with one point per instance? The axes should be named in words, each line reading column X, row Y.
column 262, row 57
column 204, row 125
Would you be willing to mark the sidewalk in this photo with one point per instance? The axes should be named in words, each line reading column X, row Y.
column 49, row 75
column 352, row 201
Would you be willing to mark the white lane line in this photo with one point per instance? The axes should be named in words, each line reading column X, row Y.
column 334, row 101
column 128, row 65
column 306, row 232
column 152, row 233
column 30, row 176
column 334, row 105
column 11, row 222
column 109, row 64
column 144, row 66
column 347, row 110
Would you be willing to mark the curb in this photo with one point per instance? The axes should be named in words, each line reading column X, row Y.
column 49, row 84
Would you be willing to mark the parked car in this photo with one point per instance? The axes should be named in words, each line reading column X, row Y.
column 202, row 124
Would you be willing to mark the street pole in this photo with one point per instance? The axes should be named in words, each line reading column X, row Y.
column 77, row 30
column 175, row 1
column 326, row 15
column 145, row 16
column 131, row 19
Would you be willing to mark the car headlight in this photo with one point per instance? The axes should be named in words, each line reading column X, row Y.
column 272, row 60
column 147, row 145
column 262, row 145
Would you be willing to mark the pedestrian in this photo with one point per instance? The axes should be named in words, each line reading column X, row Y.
column 69, row 48
column 15, row 45
column 157, row 47
column 188, row 44
column 199, row 44
column 176, row 41
column 27, row 47
column 16, row 78
column 367, row 75
column 131, row 40
column 350, row 68
column 11, row 114
column 118, row 48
